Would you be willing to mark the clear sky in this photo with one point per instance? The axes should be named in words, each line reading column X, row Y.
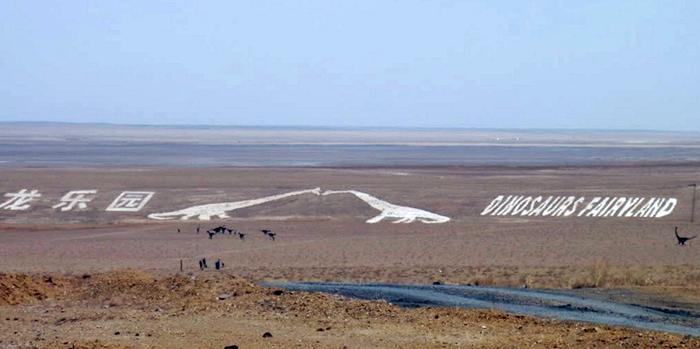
column 497, row 64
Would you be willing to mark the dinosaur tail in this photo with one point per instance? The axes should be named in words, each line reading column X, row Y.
column 437, row 220
column 160, row 216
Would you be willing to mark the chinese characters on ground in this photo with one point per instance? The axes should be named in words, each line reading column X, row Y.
column 75, row 200
column 19, row 201
column 130, row 201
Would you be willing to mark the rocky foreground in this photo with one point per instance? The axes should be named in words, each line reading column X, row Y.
column 133, row 309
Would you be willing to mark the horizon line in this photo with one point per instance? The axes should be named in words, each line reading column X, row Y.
column 342, row 127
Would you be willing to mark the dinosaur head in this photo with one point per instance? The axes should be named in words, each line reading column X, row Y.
column 435, row 219
column 329, row 192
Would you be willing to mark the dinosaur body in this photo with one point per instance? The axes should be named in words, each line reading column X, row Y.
column 205, row 212
column 682, row 239
column 403, row 214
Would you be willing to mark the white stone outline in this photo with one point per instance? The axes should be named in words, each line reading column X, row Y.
column 404, row 214
column 205, row 212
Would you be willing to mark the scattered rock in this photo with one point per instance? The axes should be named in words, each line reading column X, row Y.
column 277, row 292
column 231, row 347
column 224, row 296
column 437, row 283
column 320, row 330
column 589, row 330
column 267, row 335
column 117, row 333
column 86, row 276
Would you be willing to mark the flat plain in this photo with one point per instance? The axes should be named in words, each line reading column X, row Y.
column 50, row 260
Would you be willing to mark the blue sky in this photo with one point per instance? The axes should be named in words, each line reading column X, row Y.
column 493, row 64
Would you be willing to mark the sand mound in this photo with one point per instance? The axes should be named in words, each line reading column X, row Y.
column 176, row 292
column 22, row 288
column 123, row 287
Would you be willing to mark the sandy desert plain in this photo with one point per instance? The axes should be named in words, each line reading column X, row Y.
column 107, row 279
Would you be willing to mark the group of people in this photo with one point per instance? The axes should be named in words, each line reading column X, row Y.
column 222, row 229
column 218, row 265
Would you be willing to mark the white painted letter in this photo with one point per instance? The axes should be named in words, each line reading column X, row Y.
column 667, row 208
column 494, row 203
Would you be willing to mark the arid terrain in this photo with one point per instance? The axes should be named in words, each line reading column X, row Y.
column 130, row 309
column 89, row 277
column 326, row 238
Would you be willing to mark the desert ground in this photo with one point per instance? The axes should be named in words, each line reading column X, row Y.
column 74, row 279
column 327, row 237
column 131, row 309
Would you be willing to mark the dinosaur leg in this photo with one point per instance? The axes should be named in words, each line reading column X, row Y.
column 186, row 217
column 405, row 220
column 376, row 219
column 222, row 215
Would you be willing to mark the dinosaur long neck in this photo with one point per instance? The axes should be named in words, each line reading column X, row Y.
column 277, row 197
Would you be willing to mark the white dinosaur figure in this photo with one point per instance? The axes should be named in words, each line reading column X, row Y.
column 205, row 212
column 403, row 213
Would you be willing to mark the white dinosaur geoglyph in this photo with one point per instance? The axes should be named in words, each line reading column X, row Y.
column 403, row 214
column 388, row 210
column 205, row 212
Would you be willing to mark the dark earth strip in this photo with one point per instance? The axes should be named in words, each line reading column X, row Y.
column 520, row 301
